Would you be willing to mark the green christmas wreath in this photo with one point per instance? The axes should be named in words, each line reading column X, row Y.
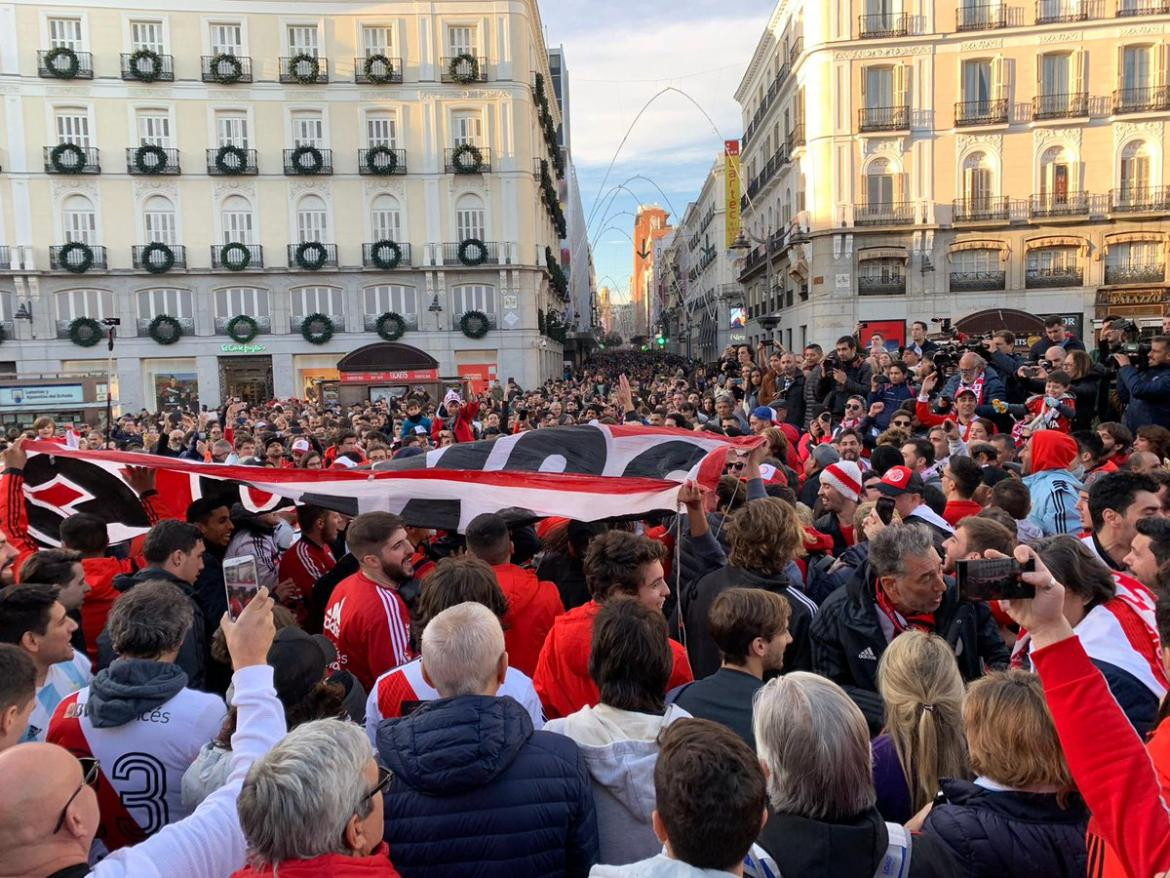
column 386, row 255
column 307, row 160
column 231, row 159
column 387, row 72
column 150, row 159
column 242, row 328
column 80, row 265
column 311, row 255
column 317, row 329
column 391, row 326
column 85, row 332
column 75, row 164
column 146, row 65
column 71, row 67
column 472, row 252
column 235, row 256
column 233, row 73
column 381, row 160
column 464, row 68
column 467, row 159
column 157, row 258
column 165, row 329
column 474, row 324
column 307, row 76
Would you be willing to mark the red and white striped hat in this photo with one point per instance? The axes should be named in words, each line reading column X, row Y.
column 845, row 476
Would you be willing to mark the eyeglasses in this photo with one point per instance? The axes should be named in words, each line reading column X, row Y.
column 90, row 769
column 385, row 776
column 900, row 423
column 854, row 406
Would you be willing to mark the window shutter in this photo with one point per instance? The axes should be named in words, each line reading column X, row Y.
column 1039, row 76
column 1159, row 50
column 1080, row 61
column 902, row 85
column 1001, row 73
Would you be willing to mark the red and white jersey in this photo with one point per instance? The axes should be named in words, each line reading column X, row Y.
column 304, row 563
column 398, row 692
column 370, row 627
column 142, row 762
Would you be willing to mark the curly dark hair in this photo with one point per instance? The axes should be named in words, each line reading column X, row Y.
column 614, row 561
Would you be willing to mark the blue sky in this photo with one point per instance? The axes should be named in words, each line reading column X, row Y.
column 619, row 54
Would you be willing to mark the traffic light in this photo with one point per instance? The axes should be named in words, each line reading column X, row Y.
column 660, row 340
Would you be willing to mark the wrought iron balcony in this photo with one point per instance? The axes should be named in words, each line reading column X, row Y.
column 1051, row 205
column 1148, row 99
column 145, row 66
column 1062, row 11
column 226, row 69
column 1050, row 278
column 794, row 138
column 307, row 161
column 884, row 24
column 460, row 160
column 304, row 69
column 795, row 50
column 456, row 318
column 883, row 118
column 983, row 16
column 410, row 319
column 381, row 161
column 263, row 324
column 314, row 256
column 981, row 210
column 295, row 322
column 1132, row 8
column 491, row 253
column 142, row 326
column 1145, row 199
column 894, row 213
column 231, row 161
column 230, row 257
column 64, row 64
column 1060, row 106
column 71, row 258
column 883, row 284
column 151, row 160
column 68, row 158
column 149, row 257
column 1154, row 273
column 987, row 112
column 463, row 70
column 975, row 281
column 377, row 69
column 378, row 251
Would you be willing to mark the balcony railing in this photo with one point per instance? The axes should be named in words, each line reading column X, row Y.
column 491, row 252
column 64, row 64
column 1068, row 204
column 1132, row 8
column 1144, row 199
column 304, row 69
column 883, row 24
column 974, row 281
column 795, row 138
column 1049, row 278
column 883, row 118
column 984, row 16
column 461, row 69
column 1135, row 274
column 981, row 210
column 410, row 319
column 226, row 69
column 142, row 326
column 381, row 161
column 307, row 161
column 795, row 50
column 384, row 254
column 151, row 160
column 263, row 324
column 230, row 257
column 338, row 321
column 147, row 257
column 459, row 160
column 1148, row 99
column 147, row 67
column 1060, row 106
column 376, row 71
column 895, row 213
column 68, row 158
column 989, row 112
column 455, row 318
column 67, row 257
column 231, row 161
column 1062, row 11
column 881, row 284
column 314, row 256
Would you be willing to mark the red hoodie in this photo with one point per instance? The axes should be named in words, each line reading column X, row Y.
column 562, row 678
column 376, row 865
column 532, row 607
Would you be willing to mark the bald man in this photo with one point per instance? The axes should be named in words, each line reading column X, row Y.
column 49, row 810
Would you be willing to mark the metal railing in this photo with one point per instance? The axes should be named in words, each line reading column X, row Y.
column 1052, row 205
column 1132, row 8
column 795, row 50
column 451, row 254
column 63, row 257
column 467, row 163
column 142, row 326
column 295, row 322
column 230, row 161
column 977, row 210
column 883, row 284
column 58, row 66
column 1050, row 278
column 378, row 72
column 263, row 324
column 795, row 138
column 883, row 24
column 155, row 257
column 464, row 70
column 1154, row 273
column 987, row 112
column 410, row 319
column 974, row 281
column 151, row 161
column 300, row 70
column 1139, row 199
column 136, row 71
column 1061, row 11
column 1147, row 99
column 225, row 71
column 404, row 260
column 71, row 162
column 885, row 214
column 455, row 318
column 1060, row 106
column 983, row 16
column 303, row 162
column 255, row 257
column 315, row 248
column 381, row 161
column 883, row 118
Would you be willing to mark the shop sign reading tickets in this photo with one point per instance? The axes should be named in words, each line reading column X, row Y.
column 242, row 348
column 390, row 377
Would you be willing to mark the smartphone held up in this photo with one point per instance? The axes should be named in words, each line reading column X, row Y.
column 241, row 581
column 994, row 579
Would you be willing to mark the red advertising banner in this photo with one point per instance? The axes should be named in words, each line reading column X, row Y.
column 893, row 332
column 389, row 377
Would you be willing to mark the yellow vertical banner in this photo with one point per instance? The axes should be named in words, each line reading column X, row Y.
column 731, row 188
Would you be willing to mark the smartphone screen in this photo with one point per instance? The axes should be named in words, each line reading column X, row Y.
column 995, row 579
column 885, row 509
column 241, row 581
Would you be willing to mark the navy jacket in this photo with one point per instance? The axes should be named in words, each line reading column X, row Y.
column 1146, row 395
column 477, row 792
column 1004, row 834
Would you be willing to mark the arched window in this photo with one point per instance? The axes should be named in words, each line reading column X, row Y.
column 318, row 300
column 79, row 220
column 1135, row 171
column 386, row 219
column 236, row 218
column 158, row 220
column 978, row 184
column 474, row 297
column 173, row 303
column 312, row 222
column 391, row 298
column 1056, row 175
column 879, row 183
column 469, row 218
column 71, row 304
column 242, row 300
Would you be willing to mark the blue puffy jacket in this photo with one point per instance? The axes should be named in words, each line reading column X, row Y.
column 1146, row 395
column 477, row 792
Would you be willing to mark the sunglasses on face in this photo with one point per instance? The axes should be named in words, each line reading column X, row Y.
column 853, row 406
column 900, row 423
column 90, row 768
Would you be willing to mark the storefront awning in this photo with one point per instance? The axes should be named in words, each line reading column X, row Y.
column 980, row 244
column 1057, row 241
column 881, row 253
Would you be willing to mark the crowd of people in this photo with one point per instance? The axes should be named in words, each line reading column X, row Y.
column 779, row 677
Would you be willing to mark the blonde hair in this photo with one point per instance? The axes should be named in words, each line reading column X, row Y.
column 1010, row 734
column 919, row 681
column 764, row 536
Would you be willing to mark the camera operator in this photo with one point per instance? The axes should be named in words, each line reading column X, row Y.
column 845, row 375
column 1146, row 393
column 1000, row 354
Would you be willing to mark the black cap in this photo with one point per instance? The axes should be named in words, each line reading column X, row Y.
column 299, row 661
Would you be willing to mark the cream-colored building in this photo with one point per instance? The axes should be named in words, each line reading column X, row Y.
column 272, row 150
column 909, row 159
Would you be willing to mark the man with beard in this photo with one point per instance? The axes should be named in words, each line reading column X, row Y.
column 750, row 627
column 310, row 557
column 366, row 617
column 972, row 537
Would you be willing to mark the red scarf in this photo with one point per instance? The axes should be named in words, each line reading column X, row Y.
column 919, row 621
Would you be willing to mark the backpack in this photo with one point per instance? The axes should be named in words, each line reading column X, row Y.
column 895, row 864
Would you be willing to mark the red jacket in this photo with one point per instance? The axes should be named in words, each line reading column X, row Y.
column 532, row 607
column 460, row 425
column 1112, row 770
column 562, row 678
column 376, row 865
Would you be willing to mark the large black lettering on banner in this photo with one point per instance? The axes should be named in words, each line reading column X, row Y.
column 582, row 449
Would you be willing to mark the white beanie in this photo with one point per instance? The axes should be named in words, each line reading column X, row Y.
column 845, row 476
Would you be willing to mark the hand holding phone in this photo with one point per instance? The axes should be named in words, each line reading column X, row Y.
column 994, row 579
column 241, row 581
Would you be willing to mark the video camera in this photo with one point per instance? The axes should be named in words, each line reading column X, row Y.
column 951, row 346
column 1137, row 351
